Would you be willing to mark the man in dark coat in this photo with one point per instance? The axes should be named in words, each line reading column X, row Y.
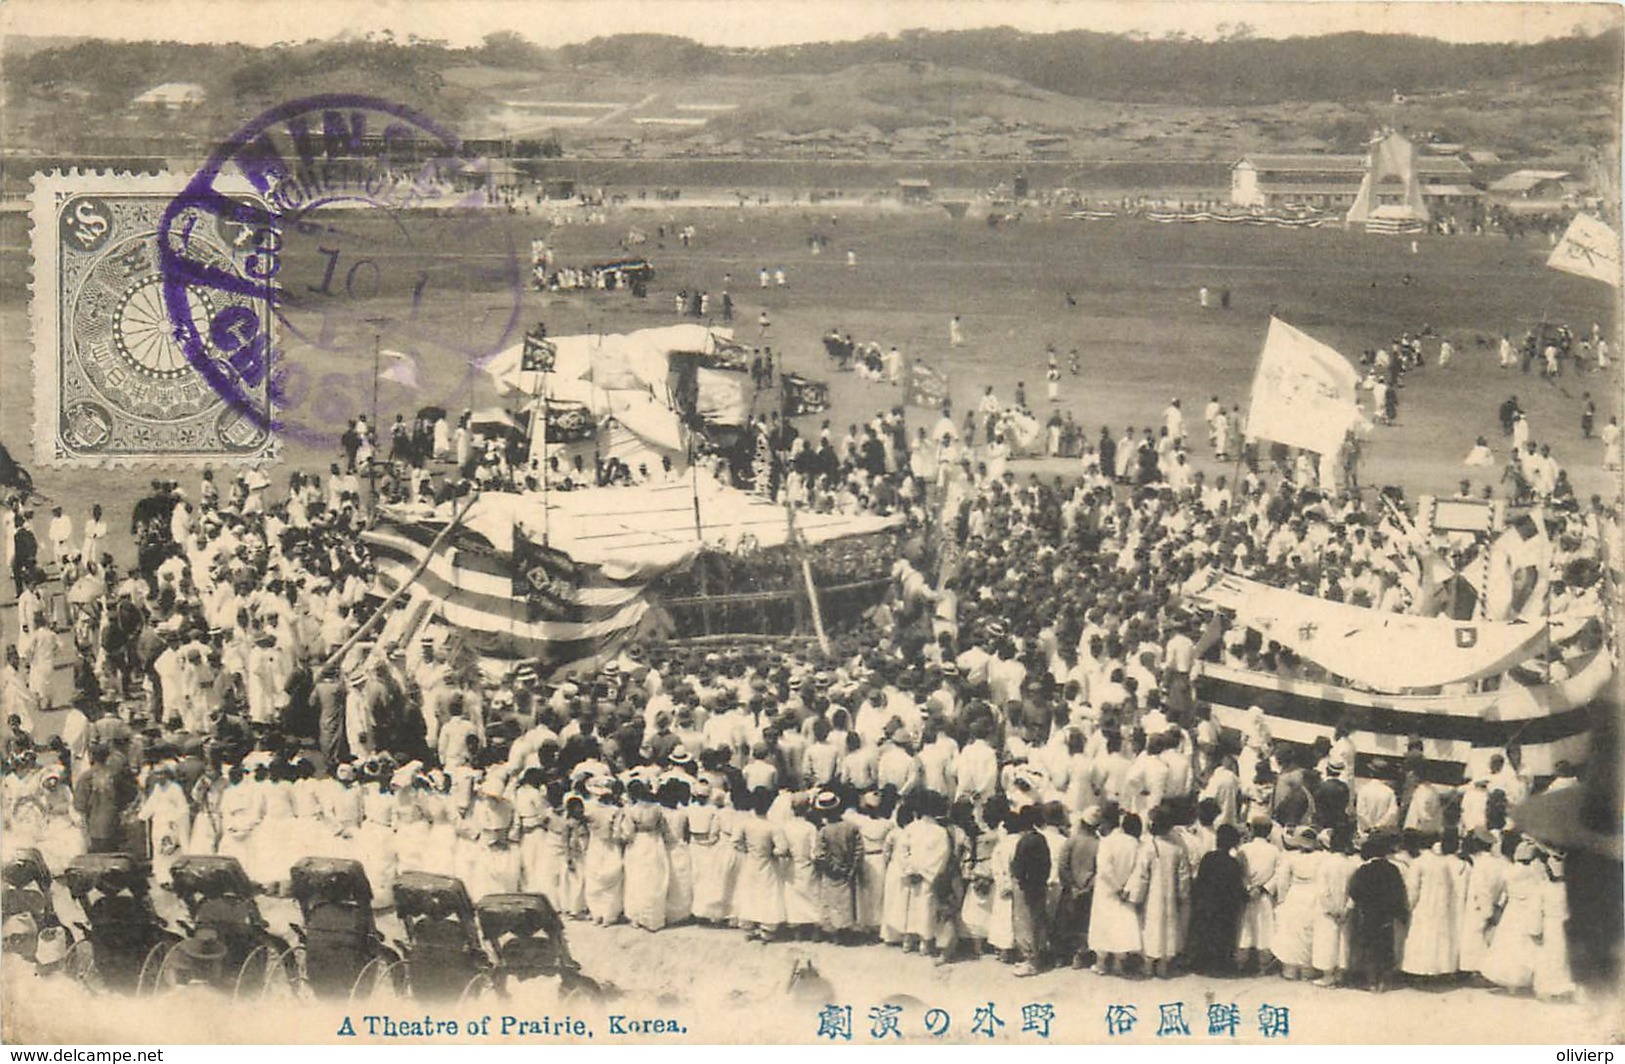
column 1029, row 868
column 1218, row 896
column 1078, row 885
column 328, row 700
column 101, row 796
column 24, row 553
column 1377, row 891
column 837, row 853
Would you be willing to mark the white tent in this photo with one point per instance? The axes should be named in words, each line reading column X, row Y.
column 1391, row 193
column 635, row 361
column 623, row 378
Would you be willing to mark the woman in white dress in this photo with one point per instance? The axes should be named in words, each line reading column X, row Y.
column 168, row 820
column 442, row 438
column 61, row 835
column 976, row 911
column 1001, row 916
column 674, row 806
column 893, row 898
column 20, row 809
column 759, row 892
column 411, row 819
column 278, row 842
column 801, row 906
column 707, row 856
column 874, row 825
column 1432, row 943
column 1486, row 881
column 1553, row 978
column 375, row 842
column 1114, row 913
column 529, row 813
column 1329, row 948
column 242, row 807
column 497, row 863
column 1510, row 961
column 648, row 858
column 998, row 457
column 605, row 867
column 440, row 844
column 1295, row 885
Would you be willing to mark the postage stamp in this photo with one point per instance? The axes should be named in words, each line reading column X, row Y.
column 112, row 385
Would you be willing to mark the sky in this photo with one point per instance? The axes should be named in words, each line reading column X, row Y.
column 777, row 22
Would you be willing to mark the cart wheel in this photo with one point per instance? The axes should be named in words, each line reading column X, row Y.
column 258, row 969
column 479, row 988
column 289, row 977
column 377, row 975
column 80, row 963
column 581, row 989
column 153, row 967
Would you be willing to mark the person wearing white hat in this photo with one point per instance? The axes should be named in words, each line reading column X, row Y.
column 61, row 837
column 51, row 952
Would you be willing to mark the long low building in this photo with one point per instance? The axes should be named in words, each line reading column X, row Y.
column 1332, row 182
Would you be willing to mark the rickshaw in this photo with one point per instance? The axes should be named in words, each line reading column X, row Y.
column 526, row 939
column 221, row 907
column 340, row 950
column 123, row 941
column 25, row 891
column 442, row 948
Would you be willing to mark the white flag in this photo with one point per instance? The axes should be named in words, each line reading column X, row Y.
column 402, row 369
column 1590, row 249
column 1304, row 393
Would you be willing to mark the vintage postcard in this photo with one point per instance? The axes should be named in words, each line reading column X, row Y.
column 1085, row 522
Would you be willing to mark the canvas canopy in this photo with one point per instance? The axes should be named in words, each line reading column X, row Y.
column 1382, row 651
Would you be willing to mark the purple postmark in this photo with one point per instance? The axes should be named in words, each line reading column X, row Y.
column 364, row 227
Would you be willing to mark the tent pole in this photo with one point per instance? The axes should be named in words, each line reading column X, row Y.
column 547, row 519
column 806, row 575
column 406, row 584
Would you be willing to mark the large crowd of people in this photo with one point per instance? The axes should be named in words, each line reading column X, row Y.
column 1005, row 756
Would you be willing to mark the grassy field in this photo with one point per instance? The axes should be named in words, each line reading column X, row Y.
column 1137, row 324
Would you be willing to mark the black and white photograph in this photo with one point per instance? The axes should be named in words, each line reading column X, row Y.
column 540, row 523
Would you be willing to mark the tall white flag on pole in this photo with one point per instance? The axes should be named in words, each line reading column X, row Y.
column 1304, row 393
column 1589, row 248
column 402, row 369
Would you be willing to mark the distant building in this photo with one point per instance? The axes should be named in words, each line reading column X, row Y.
column 1547, row 186
column 1332, row 182
column 914, row 190
column 171, row 95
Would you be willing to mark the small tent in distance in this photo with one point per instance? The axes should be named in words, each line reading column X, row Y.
column 1390, row 196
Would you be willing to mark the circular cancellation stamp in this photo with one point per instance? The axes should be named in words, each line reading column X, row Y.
column 112, row 385
column 365, row 257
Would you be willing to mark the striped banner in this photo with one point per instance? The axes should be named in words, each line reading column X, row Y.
column 473, row 584
column 1271, row 219
column 1550, row 721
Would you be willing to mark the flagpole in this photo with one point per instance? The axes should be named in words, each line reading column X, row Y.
column 796, row 545
column 547, row 518
column 699, row 534
column 406, row 584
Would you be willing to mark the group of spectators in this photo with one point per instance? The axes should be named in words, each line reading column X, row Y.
column 1008, row 759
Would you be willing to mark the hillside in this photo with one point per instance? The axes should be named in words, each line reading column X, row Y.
column 973, row 94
